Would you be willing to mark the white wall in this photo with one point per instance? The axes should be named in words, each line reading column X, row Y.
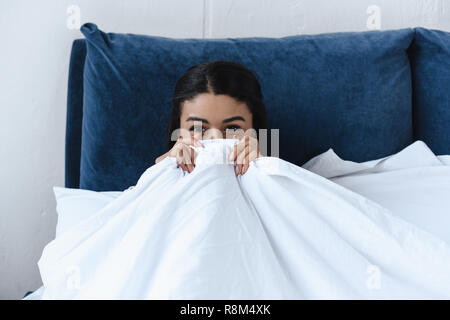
column 34, row 57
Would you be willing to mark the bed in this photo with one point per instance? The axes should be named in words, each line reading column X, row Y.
column 351, row 100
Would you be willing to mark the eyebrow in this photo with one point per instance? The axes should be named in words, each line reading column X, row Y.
column 233, row 119
column 196, row 119
column 223, row 121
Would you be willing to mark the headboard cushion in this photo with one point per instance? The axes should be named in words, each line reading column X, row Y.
column 74, row 115
column 430, row 64
column 349, row 91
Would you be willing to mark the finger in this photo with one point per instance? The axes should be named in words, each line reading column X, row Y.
column 251, row 156
column 245, row 144
column 253, row 145
column 174, row 151
column 180, row 161
column 193, row 158
column 240, row 147
column 244, row 168
column 241, row 158
column 183, row 167
column 237, row 169
column 237, row 149
column 187, row 158
column 250, row 144
column 245, row 162
column 233, row 153
column 179, row 140
column 179, row 154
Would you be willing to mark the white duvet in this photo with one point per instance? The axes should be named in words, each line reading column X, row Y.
column 278, row 232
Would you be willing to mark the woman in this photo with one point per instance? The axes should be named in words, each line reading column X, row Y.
column 216, row 100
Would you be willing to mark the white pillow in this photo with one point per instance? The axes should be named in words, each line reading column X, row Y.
column 417, row 154
column 74, row 205
column 410, row 195
column 328, row 165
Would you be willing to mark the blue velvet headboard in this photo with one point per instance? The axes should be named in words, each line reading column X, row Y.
column 74, row 115
column 354, row 92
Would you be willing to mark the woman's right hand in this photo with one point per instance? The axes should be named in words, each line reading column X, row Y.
column 184, row 154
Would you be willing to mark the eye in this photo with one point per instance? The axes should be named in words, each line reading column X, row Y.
column 233, row 127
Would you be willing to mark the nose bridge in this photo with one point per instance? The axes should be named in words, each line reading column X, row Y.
column 213, row 133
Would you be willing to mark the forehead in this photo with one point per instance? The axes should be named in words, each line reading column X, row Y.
column 208, row 105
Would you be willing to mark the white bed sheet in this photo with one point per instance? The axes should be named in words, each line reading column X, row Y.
column 413, row 183
column 278, row 232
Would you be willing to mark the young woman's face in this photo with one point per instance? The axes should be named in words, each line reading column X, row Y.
column 208, row 116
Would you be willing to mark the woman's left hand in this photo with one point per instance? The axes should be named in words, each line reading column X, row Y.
column 246, row 150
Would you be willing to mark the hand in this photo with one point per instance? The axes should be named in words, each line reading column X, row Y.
column 246, row 150
column 184, row 154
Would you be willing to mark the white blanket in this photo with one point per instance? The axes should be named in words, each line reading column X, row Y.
column 413, row 183
column 277, row 232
